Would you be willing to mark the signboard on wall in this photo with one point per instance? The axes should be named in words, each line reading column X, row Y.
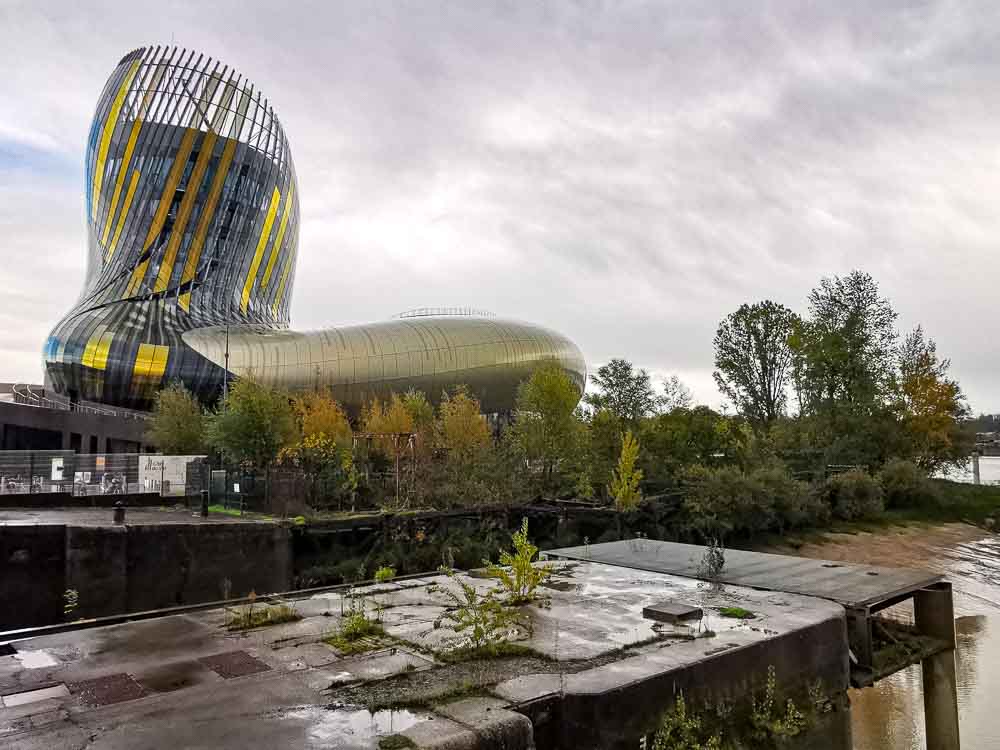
column 165, row 474
column 57, row 469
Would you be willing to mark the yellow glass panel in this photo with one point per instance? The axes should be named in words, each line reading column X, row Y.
column 205, row 220
column 106, row 133
column 102, row 350
column 184, row 212
column 159, row 364
column 151, row 361
column 265, row 234
column 166, row 199
column 121, row 217
column 151, row 87
column 143, row 360
column 276, row 248
column 89, row 350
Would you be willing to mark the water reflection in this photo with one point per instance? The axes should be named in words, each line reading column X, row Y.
column 890, row 716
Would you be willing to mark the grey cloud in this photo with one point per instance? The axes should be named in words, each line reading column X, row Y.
column 626, row 173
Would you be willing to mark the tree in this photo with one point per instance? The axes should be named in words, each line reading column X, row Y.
column 753, row 359
column 933, row 405
column 684, row 437
column 624, row 391
column 847, row 348
column 462, row 429
column 546, row 426
column 325, row 465
column 845, row 371
column 178, row 423
column 676, row 395
column 605, row 447
column 396, row 426
column 253, row 424
column 625, row 480
column 421, row 412
column 389, row 418
column 319, row 414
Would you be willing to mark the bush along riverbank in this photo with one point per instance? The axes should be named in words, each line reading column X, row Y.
column 740, row 509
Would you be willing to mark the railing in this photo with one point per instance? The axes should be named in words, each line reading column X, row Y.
column 23, row 394
column 427, row 312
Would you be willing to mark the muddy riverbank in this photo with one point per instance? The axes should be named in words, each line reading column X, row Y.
column 889, row 716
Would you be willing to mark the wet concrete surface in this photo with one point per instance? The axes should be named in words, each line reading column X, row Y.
column 186, row 681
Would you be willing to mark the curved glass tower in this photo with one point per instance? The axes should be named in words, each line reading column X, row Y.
column 192, row 219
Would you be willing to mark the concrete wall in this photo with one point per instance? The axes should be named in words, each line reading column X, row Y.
column 32, row 575
column 19, row 422
column 50, row 500
column 621, row 713
column 118, row 569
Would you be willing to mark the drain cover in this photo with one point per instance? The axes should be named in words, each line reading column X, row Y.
column 234, row 664
column 671, row 612
column 103, row 691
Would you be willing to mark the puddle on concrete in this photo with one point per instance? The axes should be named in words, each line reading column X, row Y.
column 36, row 659
column 169, row 677
column 353, row 728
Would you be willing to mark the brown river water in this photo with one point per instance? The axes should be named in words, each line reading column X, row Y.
column 890, row 715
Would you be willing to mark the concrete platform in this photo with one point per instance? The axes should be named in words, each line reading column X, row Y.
column 185, row 681
column 852, row 586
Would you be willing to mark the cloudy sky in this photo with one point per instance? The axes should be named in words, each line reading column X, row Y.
column 626, row 173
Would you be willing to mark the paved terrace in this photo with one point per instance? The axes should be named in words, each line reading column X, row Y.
column 184, row 681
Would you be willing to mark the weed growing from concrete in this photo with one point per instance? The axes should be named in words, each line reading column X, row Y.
column 247, row 617
column 769, row 724
column 482, row 618
column 713, row 562
column 385, row 574
column 395, row 742
column 356, row 626
column 71, row 600
column 682, row 730
column 517, row 575
column 737, row 613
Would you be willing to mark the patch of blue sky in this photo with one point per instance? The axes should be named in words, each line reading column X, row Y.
column 17, row 156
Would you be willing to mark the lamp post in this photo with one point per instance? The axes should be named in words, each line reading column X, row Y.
column 225, row 375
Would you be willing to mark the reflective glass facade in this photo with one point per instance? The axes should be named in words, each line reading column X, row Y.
column 192, row 220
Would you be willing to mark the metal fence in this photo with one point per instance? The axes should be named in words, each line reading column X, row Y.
column 26, row 472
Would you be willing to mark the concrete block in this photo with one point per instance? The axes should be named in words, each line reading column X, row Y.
column 442, row 734
column 671, row 612
column 496, row 727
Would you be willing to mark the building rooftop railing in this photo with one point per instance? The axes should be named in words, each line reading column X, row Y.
column 24, row 394
column 427, row 312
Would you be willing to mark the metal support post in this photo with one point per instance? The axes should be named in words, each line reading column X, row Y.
column 935, row 617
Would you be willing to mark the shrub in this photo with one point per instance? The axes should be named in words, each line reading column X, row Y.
column 355, row 626
column 249, row 616
column 516, row 573
column 852, row 495
column 793, row 504
column 483, row 619
column 385, row 574
column 725, row 502
column 904, row 484
column 681, row 729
